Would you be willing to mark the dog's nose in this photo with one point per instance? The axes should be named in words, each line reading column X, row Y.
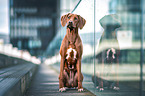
column 70, row 22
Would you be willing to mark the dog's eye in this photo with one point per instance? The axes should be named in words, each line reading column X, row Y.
column 68, row 17
column 75, row 18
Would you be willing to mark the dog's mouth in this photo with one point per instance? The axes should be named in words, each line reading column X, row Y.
column 70, row 27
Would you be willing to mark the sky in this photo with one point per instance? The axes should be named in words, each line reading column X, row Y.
column 4, row 28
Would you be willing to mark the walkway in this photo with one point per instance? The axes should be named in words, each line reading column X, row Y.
column 45, row 83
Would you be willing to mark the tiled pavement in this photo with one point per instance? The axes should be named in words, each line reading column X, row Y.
column 45, row 83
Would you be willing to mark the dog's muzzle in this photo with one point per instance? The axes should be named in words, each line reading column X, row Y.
column 70, row 25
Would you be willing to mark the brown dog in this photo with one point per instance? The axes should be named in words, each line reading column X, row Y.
column 70, row 65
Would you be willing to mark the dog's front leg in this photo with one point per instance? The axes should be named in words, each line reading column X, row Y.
column 80, row 79
column 61, row 76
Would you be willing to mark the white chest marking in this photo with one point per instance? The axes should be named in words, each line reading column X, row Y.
column 113, row 50
column 69, row 51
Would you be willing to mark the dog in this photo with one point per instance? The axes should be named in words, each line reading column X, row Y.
column 71, row 50
column 111, row 54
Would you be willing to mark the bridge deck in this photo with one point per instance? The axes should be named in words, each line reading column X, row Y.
column 45, row 83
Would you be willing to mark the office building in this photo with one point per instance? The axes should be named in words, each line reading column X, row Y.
column 32, row 24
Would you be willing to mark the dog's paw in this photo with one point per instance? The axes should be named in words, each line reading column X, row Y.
column 62, row 89
column 116, row 88
column 80, row 90
column 100, row 89
column 97, row 87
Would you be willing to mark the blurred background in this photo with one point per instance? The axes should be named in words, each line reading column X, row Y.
column 31, row 29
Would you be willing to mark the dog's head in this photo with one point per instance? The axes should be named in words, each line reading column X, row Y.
column 73, row 21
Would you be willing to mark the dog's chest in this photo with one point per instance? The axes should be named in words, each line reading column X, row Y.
column 71, row 58
column 71, row 53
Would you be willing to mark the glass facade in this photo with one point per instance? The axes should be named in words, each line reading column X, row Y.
column 112, row 56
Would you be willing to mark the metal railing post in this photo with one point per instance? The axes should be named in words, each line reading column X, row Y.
column 94, row 46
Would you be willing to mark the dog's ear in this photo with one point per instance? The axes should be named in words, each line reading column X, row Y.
column 64, row 19
column 82, row 22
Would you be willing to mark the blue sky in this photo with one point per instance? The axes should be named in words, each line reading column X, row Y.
column 4, row 17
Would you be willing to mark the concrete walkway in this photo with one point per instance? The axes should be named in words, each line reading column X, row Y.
column 45, row 83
